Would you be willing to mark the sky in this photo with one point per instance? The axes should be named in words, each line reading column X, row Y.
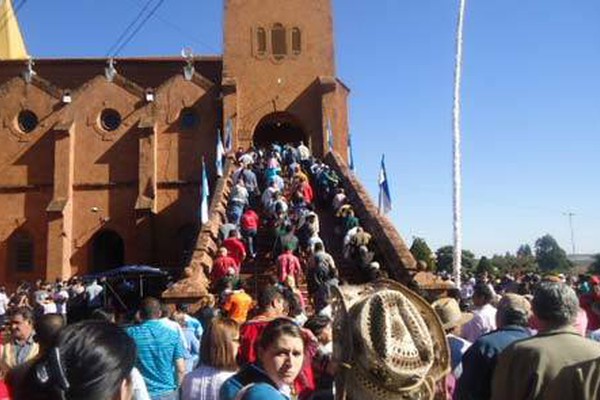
column 530, row 114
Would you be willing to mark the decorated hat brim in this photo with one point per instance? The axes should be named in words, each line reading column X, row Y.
column 342, row 332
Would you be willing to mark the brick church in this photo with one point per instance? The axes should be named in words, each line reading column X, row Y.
column 100, row 162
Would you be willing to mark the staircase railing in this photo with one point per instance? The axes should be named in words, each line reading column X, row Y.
column 397, row 259
column 194, row 285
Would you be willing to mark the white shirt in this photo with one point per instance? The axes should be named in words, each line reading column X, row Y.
column 203, row 383
column 3, row 303
column 303, row 152
column 50, row 308
column 484, row 321
column 93, row 292
column 140, row 391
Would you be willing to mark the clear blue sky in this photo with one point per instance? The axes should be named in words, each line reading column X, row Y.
column 531, row 112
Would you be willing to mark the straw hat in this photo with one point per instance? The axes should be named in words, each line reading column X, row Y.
column 389, row 341
column 449, row 312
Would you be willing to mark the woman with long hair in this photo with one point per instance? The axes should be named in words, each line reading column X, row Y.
column 218, row 350
column 280, row 360
column 92, row 360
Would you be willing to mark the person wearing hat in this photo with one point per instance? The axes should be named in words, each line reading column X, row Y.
column 480, row 359
column 527, row 368
column 453, row 319
column 389, row 343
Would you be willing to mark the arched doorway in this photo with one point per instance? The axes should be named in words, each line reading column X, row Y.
column 279, row 127
column 108, row 251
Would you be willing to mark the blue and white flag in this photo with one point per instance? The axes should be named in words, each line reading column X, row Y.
column 228, row 135
column 350, row 155
column 205, row 194
column 220, row 154
column 385, row 200
column 329, row 135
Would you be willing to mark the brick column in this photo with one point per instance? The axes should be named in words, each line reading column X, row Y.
column 60, row 209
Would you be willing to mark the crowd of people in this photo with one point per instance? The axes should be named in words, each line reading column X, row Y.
column 524, row 337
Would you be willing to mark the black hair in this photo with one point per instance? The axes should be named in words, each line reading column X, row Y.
column 90, row 361
column 150, row 308
column 482, row 290
column 268, row 295
column 101, row 314
column 47, row 329
column 317, row 324
column 278, row 328
column 25, row 312
column 293, row 302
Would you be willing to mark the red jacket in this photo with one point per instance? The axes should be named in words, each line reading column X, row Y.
column 236, row 249
column 221, row 266
column 307, row 192
column 250, row 220
column 586, row 301
column 288, row 264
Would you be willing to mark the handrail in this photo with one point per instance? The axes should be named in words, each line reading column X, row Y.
column 397, row 258
column 194, row 285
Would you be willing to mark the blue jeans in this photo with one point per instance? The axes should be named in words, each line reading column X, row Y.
column 166, row 396
column 234, row 212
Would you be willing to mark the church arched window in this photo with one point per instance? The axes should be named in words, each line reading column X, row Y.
column 261, row 41
column 278, row 41
column 296, row 41
column 21, row 249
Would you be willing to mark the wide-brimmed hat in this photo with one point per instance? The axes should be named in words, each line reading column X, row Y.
column 389, row 342
column 449, row 312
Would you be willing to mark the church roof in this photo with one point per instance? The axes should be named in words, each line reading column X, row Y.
column 12, row 46
column 146, row 72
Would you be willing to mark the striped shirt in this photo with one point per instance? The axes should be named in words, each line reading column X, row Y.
column 158, row 347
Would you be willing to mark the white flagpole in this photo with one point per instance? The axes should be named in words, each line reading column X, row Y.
column 457, row 179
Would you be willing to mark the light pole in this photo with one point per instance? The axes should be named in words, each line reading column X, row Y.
column 571, row 214
column 457, row 179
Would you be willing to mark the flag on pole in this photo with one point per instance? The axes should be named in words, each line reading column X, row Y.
column 228, row 135
column 329, row 135
column 350, row 155
column 385, row 200
column 220, row 154
column 205, row 193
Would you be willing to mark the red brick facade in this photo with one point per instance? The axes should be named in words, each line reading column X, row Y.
column 96, row 173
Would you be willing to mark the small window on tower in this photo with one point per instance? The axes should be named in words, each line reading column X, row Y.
column 261, row 41
column 278, row 41
column 296, row 41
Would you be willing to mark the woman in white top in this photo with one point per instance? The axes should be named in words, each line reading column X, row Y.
column 218, row 350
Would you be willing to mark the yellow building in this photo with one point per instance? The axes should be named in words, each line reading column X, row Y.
column 12, row 46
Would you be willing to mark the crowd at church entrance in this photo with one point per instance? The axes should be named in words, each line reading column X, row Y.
column 270, row 328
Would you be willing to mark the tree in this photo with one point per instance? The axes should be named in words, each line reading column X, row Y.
column 484, row 265
column 595, row 267
column 421, row 252
column 525, row 261
column 524, row 251
column 550, row 256
column 444, row 259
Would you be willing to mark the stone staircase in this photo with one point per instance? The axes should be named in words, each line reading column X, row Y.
column 389, row 246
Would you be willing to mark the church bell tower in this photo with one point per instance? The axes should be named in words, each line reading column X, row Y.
column 279, row 78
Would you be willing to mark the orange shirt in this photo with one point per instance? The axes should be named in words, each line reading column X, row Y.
column 238, row 305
